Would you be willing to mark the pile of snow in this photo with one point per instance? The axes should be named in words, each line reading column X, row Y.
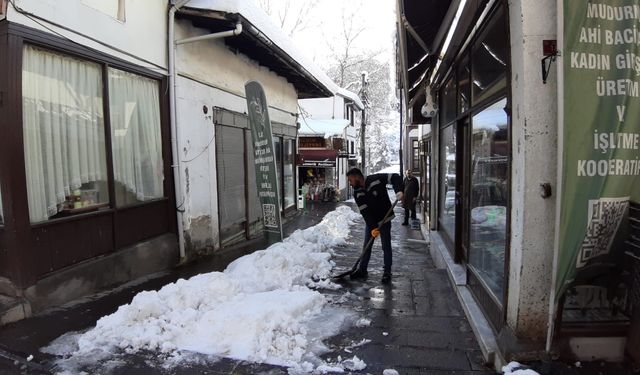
column 515, row 368
column 260, row 309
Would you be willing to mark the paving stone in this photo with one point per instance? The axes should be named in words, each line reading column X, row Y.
column 476, row 360
column 439, row 340
column 415, row 357
column 445, row 303
column 420, row 288
column 437, row 279
column 422, row 305
column 443, row 324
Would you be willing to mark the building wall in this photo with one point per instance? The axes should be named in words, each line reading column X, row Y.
column 534, row 153
column 140, row 38
column 324, row 108
column 211, row 75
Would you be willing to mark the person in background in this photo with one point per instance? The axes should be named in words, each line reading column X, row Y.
column 411, row 191
column 371, row 196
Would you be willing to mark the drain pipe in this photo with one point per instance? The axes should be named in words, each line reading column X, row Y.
column 177, row 178
column 175, row 159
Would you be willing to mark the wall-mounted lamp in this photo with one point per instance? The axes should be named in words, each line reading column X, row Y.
column 545, row 190
column 550, row 52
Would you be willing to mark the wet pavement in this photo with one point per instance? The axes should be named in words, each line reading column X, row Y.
column 417, row 324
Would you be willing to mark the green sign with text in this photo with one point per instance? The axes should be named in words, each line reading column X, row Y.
column 601, row 166
column 265, row 160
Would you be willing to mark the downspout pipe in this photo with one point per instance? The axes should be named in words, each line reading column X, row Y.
column 175, row 159
column 177, row 177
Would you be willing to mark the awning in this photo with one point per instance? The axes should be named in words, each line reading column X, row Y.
column 317, row 158
column 423, row 26
column 421, row 35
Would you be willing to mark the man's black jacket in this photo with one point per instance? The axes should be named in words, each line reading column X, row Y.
column 373, row 199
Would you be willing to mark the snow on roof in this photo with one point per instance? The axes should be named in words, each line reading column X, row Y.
column 261, row 21
column 325, row 128
column 350, row 95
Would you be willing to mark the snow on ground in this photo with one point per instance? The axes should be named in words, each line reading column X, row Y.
column 515, row 368
column 260, row 309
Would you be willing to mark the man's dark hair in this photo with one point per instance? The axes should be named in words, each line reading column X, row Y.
column 355, row 172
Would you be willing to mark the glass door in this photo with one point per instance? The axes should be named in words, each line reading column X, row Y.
column 488, row 204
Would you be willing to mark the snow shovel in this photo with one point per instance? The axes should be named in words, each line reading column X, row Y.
column 364, row 249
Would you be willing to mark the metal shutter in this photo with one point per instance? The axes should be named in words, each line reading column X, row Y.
column 230, row 146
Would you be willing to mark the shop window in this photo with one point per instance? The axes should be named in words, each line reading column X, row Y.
column 448, row 105
column 134, row 108
column 289, row 186
column 489, row 59
column 426, row 175
column 447, row 202
column 64, row 137
column 488, row 195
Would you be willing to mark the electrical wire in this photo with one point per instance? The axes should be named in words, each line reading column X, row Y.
column 201, row 152
column 35, row 19
column 305, row 120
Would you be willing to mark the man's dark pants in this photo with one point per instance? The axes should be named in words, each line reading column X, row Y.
column 409, row 208
column 385, row 237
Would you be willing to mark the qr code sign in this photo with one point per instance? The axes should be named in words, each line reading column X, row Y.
column 269, row 215
column 604, row 218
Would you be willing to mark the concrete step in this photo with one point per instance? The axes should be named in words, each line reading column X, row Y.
column 13, row 309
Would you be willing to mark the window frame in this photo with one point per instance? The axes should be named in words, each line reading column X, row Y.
column 61, row 47
column 52, row 245
column 476, row 106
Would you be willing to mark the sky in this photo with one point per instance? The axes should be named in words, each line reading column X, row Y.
column 377, row 17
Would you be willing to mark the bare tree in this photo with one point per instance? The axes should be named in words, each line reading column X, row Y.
column 349, row 58
column 292, row 16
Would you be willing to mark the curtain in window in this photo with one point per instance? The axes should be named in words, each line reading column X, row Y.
column 63, row 128
column 135, row 132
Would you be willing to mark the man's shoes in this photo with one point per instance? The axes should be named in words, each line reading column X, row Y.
column 386, row 278
column 405, row 223
column 359, row 275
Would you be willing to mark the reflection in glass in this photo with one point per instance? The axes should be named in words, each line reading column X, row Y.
column 426, row 172
column 464, row 85
column 448, row 95
column 448, row 187
column 490, row 59
column 489, row 179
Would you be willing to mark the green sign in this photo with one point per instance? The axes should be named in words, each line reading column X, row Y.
column 601, row 136
column 264, row 159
